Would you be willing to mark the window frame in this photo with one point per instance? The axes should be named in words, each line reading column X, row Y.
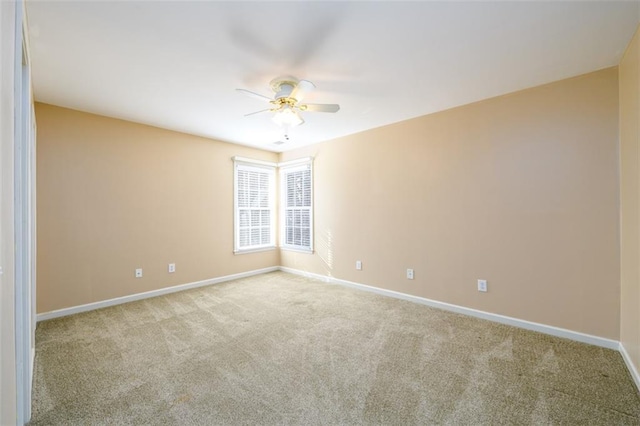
column 284, row 170
column 240, row 163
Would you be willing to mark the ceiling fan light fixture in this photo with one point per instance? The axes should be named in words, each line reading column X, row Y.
column 287, row 117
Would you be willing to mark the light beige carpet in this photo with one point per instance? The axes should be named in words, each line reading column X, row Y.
column 282, row 349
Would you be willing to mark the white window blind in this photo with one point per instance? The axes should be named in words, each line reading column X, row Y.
column 254, row 207
column 297, row 206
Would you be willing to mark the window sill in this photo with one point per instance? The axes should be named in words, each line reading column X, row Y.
column 297, row 250
column 255, row 250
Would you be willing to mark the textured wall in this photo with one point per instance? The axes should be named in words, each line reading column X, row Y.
column 630, row 195
column 521, row 190
column 114, row 196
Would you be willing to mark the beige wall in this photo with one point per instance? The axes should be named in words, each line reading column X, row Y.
column 630, row 194
column 113, row 196
column 7, row 241
column 520, row 190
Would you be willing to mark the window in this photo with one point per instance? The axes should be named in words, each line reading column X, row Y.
column 297, row 205
column 254, row 211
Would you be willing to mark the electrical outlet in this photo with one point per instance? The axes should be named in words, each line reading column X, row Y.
column 409, row 274
column 359, row 265
column 482, row 285
column 172, row 268
column 139, row 273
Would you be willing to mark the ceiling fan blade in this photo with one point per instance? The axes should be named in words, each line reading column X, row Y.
column 302, row 88
column 257, row 112
column 320, row 107
column 254, row 95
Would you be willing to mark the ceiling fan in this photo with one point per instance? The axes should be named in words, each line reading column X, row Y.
column 286, row 103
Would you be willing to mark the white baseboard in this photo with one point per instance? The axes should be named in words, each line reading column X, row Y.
column 528, row 325
column 630, row 366
column 153, row 293
column 542, row 328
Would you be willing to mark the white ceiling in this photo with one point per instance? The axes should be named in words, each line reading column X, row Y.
column 176, row 65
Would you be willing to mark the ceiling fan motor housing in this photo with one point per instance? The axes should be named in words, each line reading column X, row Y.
column 283, row 86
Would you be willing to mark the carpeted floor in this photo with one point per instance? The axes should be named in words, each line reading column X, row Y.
column 283, row 349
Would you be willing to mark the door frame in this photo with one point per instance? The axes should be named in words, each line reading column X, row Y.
column 24, row 218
